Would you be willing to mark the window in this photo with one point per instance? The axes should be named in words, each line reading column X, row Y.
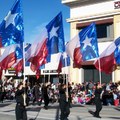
column 91, row 73
column 104, row 31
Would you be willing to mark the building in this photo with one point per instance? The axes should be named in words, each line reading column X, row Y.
column 106, row 15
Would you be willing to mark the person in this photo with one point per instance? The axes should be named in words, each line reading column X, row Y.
column 69, row 94
column 45, row 96
column 97, row 100
column 2, row 93
column 20, row 109
column 36, row 93
column 64, row 105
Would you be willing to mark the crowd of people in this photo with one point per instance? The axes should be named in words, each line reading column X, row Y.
column 77, row 94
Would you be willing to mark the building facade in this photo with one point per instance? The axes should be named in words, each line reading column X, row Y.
column 106, row 15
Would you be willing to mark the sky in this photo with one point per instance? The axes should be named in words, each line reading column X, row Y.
column 37, row 14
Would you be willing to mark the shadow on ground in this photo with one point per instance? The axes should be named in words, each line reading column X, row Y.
column 77, row 105
column 117, row 118
column 118, row 108
column 4, row 104
column 36, row 109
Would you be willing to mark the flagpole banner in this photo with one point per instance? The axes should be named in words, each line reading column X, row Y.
column 84, row 46
column 8, row 57
column 12, row 32
column 11, row 28
column 109, row 58
column 55, row 43
column 49, row 46
column 88, row 42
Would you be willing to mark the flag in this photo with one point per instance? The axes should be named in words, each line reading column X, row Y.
column 73, row 51
column 1, row 72
column 84, row 46
column 37, row 52
column 38, row 72
column 49, row 45
column 18, row 65
column 11, row 28
column 64, row 62
column 109, row 58
column 27, row 46
column 8, row 58
column 11, row 34
column 57, row 62
column 55, row 43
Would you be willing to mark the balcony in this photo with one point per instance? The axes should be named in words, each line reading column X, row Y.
column 72, row 3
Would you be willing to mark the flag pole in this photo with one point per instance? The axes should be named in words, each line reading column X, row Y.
column 64, row 77
column 44, row 78
column 24, row 96
column 49, row 76
column 23, row 62
column 66, row 80
column 99, row 70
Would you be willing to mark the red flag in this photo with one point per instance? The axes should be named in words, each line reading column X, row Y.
column 1, row 73
column 73, row 50
column 18, row 66
column 48, row 45
column 59, row 70
column 77, row 58
column 107, row 62
column 84, row 46
column 40, row 57
column 8, row 58
column 37, row 53
column 38, row 73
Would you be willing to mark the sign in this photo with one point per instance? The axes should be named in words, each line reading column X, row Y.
column 117, row 4
column 49, row 71
column 11, row 71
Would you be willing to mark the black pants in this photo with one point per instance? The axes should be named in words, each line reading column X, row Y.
column 98, row 108
column 65, row 111
column 46, row 100
column 20, row 112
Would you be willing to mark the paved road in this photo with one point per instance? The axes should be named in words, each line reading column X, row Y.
column 78, row 112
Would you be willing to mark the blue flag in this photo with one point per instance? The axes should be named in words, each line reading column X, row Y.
column 26, row 48
column 49, row 47
column 117, row 51
column 88, row 42
column 55, row 43
column 11, row 28
column 109, row 58
column 65, row 60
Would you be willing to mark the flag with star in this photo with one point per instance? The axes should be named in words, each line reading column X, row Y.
column 18, row 65
column 11, row 28
column 109, row 58
column 88, row 42
column 55, row 43
column 12, row 34
column 83, row 46
column 49, row 45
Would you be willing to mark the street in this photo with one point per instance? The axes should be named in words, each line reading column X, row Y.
column 78, row 112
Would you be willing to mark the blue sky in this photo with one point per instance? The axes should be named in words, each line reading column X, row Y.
column 37, row 14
